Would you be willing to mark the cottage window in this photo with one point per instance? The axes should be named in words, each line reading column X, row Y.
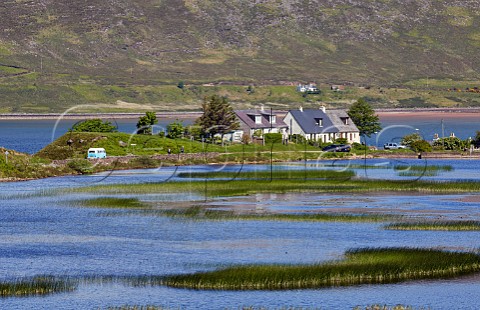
column 258, row 119
column 345, row 120
column 273, row 119
column 319, row 122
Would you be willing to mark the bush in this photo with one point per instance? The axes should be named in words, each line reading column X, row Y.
column 421, row 146
column 451, row 143
column 82, row 166
column 273, row 138
column 341, row 141
column 359, row 147
column 296, row 138
column 94, row 125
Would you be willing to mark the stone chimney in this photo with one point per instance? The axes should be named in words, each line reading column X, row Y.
column 324, row 110
column 301, row 109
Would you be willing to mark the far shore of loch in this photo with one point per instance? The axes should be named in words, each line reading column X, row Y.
column 382, row 113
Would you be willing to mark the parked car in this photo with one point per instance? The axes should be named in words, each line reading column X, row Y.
column 337, row 148
column 393, row 146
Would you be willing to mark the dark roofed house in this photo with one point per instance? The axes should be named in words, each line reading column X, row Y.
column 322, row 125
column 263, row 120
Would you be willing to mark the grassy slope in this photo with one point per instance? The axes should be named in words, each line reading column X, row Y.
column 63, row 54
column 121, row 144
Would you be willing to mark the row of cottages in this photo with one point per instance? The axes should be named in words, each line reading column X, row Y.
column 314, row 124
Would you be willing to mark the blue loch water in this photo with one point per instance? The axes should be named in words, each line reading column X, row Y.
column 43, row 231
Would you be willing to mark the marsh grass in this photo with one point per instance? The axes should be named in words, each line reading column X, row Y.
column 41, row 285
column 361, row 266
column 386, row 307
column 237, row 187
column 113, row 202
column 436, row 225
column 276, row 174
column 205, row 213
column 419, row 171
column 136, row 307
column 423, row 168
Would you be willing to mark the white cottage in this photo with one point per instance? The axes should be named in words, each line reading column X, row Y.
column 322, row 125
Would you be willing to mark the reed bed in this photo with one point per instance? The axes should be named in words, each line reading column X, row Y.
column 42, row 285
column 361, row 266
column 113, row 202
column 272, row 174
column 436, row 225
column 236, row 187
column 421, row 171
column 205, row 213
column 423, row 167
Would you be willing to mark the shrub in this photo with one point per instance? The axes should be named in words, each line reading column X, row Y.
column 296, row 138
column 341, row 141
column 94, row 125
column 82, row 166
column 421, row 146
column 273, row 138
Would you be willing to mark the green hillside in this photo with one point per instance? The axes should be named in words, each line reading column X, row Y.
column 130, row 55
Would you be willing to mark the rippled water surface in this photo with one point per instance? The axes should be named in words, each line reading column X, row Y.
column 44, row 233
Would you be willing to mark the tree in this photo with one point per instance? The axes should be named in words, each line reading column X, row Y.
column 93, row 125
column 408, row 140
column 218, row 116
column 175, row 130
column 145, row 123
column 364, row 117
column 421, row 146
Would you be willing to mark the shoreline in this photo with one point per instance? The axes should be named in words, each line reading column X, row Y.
column 421, row 112
column 52, row 116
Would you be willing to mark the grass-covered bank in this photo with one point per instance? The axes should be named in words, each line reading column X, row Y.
column 364, row 266
column 436, row 225
column 41, row 285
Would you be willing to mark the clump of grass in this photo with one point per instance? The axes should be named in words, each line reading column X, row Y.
column 385, row 307
column 42, row 285
column 136, row 307
column 436, row 225
column 360, row 266
column 113, row 202
column 204, row 213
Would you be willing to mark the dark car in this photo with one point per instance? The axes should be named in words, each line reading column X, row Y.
column 337, row 148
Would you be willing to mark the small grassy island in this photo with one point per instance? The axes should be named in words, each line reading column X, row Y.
column 361, row 266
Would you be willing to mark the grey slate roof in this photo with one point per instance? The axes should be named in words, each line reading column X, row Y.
column 244, row 116
column 332, row 121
